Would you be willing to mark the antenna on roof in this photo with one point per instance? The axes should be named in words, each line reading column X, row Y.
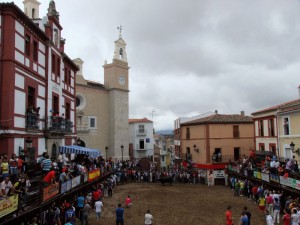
column 152, row 113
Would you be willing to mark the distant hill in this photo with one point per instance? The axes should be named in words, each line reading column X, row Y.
column 164, row 132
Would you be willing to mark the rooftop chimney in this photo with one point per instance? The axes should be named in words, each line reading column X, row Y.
column 216, row 111
column 243, row 113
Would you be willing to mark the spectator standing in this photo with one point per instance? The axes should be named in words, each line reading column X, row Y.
column 270, row 204
column 70, row 215
column 244, row 219
column 13, row 165
column 276, row 213
column 85, row 213
column 261, row 203
column 98, row 208
column 148, row 218
column 294, row 217
column 46, row 165
column 6, row 187
column 4, row 167
column 248, row 214
column 286, row 219
column 228, row 216
column 79, row 205
column 269, row 219
column 119, row 215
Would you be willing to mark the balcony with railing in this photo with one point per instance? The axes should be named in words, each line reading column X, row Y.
column 141, row 132
column 82, row 124
column 32, row 121
column 222, row 158
column 56, row 124
column 140, row 148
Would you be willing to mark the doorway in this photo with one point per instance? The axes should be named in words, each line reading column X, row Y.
column 54, row 151
column 236, row 154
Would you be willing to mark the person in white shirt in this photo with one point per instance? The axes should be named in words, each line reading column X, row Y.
column 269, row 218
column 98, row 209
column 148, row 218
column 294, row 217
column 6, row 187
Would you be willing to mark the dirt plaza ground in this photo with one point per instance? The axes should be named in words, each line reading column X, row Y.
column 178, row 204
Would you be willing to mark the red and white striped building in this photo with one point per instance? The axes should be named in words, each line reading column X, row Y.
column 37, row 81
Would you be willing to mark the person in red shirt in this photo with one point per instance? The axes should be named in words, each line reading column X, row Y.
column 254, row 193
column 286, row 219
column 228, row 216
column 95, row 196
column 50, row 177
column 128, row 202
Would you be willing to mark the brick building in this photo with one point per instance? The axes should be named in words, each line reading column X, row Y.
column 37, row 81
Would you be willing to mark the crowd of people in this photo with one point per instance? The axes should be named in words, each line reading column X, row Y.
column 15, row 180
column 274, row 203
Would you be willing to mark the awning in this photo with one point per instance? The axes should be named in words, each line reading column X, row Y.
column 93, row 153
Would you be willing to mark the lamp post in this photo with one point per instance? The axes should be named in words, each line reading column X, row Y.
column 106, row 150
column 28, row 144
column 171, row 152
column 292, row 145
column 122, row 149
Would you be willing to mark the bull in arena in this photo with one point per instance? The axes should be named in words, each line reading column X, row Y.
column 166, row 179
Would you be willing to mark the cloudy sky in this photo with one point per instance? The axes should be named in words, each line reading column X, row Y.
column 190, row 57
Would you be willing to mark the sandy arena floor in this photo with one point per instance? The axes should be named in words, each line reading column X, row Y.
column 179, row 204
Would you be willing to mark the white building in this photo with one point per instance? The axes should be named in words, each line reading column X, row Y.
column 141, row 138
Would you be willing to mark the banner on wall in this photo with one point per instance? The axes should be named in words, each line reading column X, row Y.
column 63, row 187
column 69, row 185
column 75, row 181
column 219, row 174
column 265, row 177
column 50, row 191
column 8, row 205
column 85, row 177
column 274, row 178
column 94, row 175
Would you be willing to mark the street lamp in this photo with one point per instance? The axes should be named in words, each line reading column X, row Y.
column 292, row 145
column 171, row 152
column 106, row 150
column 122, row 149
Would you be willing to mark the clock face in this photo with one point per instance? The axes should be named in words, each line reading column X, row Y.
column 121, row 80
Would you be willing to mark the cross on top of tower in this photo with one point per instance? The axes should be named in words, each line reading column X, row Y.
column 120, row 28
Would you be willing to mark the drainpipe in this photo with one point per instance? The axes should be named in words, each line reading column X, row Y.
column 278, row 140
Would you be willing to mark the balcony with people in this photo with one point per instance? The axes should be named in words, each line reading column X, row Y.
column 32, row 118
column 59, row 124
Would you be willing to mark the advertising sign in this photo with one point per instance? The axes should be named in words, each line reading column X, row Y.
column 50, row 191
column 8, row 205
column 85, row 177
column 274, row 178
column 63, row 187
column 265, row 177
column 219, row 174
column 69, row 185
column 75, row 181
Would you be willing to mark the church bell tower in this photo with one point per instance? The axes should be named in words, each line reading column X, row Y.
column 117, row 83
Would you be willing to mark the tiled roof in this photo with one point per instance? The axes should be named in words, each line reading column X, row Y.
column 144, row 120
column 221, row 118
column 277, row 107
column 289, row 108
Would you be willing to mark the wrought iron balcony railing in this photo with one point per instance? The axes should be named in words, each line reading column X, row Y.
column 32, row 121
column 59, row 124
